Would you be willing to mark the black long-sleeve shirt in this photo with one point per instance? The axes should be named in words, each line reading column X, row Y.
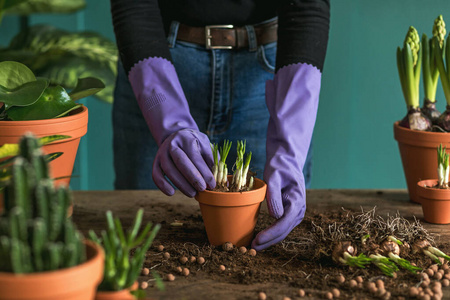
column 141, row 25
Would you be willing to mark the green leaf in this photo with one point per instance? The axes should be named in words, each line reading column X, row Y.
column 86, row 87
column 45, row 6
column 54, row 102
column 11, row 3
column 24, row 95
column 14, row 74
column 63, row 57
column 9, row 150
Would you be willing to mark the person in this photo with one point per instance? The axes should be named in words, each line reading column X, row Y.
column 193, row 73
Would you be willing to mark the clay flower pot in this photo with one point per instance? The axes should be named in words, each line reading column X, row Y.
column 418, row 154
column 435, row 202
column 76, row 283
column 117, row 295
column 74, row 125
column 231, row 216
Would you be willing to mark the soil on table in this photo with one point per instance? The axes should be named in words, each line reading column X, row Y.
column 280, row 271
column 282, row 264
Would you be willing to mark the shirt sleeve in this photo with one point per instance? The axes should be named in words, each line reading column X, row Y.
column 139, row 31
column 302, row 32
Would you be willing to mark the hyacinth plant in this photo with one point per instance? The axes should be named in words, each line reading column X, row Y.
column 240, row 181
column 442, row 58
column 430, row 70
column 443, row 169
column 409, row 61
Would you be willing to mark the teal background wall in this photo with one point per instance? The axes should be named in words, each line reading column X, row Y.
column 359, row 102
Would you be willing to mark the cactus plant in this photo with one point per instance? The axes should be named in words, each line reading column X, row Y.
column 35, row 234
column 122, row 270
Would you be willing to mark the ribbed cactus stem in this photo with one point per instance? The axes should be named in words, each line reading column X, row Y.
column 35, row 234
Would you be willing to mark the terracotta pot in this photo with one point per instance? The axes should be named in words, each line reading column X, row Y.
column 74, row 125
column 418, row 150
column 117, row 295
column 231, row 216
column 76, row 283
column 435, row 202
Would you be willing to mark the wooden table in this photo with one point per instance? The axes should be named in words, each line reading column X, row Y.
column 90, row 207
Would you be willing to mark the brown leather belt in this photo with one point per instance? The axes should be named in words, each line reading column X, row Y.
column 227, row 36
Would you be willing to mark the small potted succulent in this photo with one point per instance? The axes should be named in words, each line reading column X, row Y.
column 42, row 255
column 422, row 130
column 435, row 193
column 122, row 268
column 33, row 104
column 230, row 211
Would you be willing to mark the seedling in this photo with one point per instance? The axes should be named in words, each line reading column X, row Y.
column 443, row 169
column 240, row 181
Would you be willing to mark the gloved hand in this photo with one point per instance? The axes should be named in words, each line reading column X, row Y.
column 184, row 153
column 292, row 98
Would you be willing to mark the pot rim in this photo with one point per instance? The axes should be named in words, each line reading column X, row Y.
column 427, row 192
column 77, row 115
column 233, row 199
column 41, row 275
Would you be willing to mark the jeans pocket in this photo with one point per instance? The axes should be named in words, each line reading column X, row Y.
column 267, row 56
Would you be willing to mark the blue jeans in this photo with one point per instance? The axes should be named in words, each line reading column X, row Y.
column 225, row 90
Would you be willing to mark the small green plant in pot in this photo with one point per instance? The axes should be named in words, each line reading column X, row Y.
column 37, row 237
column 122, row 268
column 231, row 209
column 435, row 193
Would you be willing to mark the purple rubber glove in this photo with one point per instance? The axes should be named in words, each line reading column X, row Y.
column 292, row 99
column 184, row 155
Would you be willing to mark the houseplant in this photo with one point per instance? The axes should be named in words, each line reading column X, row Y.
column 230, row 211
column 435, row 193
column 61, row 56
column 42, row 255
column 121, row 270
column 32, row 104
column 416, row 141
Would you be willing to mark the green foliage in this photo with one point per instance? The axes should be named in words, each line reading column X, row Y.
column 35, row 233
column 35, row 99
column 121, row 270
column 27, row 7
column 63, row 56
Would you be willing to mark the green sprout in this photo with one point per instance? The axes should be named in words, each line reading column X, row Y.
column 384, row 264
column 442, row 60
column 409, row 60
column 239, row 182
column 443, row 169
column 220, row 169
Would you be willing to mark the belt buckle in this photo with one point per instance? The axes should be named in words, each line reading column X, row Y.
column 208, row 36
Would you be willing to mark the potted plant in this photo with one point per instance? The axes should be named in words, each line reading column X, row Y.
column 417, row 135
column 122, row 269
column 33, row 104
column 42, row 255
column 230, row 211
column 435, row 193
